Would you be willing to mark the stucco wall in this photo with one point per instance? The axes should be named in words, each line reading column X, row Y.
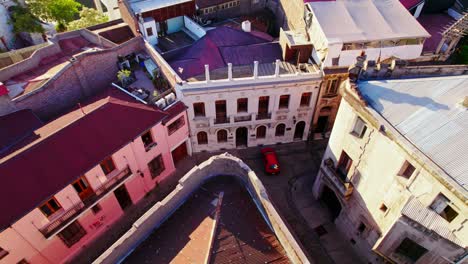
column 377, row 160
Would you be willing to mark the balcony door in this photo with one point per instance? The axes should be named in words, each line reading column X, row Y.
column 263, row 102
column 241, row 137
column 221, row 113
column 83, row 189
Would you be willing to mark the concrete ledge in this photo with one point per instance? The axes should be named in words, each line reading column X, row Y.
column 224, row 164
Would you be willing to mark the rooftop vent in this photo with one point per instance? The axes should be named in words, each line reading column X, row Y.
column 246, row 26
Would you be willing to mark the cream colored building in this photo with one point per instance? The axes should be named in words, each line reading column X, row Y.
column 395, row 172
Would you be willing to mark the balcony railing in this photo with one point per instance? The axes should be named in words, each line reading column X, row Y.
column 221, row 120
column 345, row 187
column 262, row 116
column 71, row 214
column 243, row 118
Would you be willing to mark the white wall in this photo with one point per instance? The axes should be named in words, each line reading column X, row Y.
column 252, row 92
column 175, row 24
column 196, row 29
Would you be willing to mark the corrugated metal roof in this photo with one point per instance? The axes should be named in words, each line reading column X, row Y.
column 428, row 112
column 417, row 212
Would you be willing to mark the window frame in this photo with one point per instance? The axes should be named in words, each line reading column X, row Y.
column 201, row 113
column 441, row 199
column 283, row 130
column 223, row 139
column 105, row 165
column 245, row 105
column 262, row 135
column 204, row 140
column 176, row 125
column 75, row 237
column 284, row 101
column 410, row 249
column 404, row 170
column 332, row 87
column 3, row 253
column 343, row 171
column 307, row 96
column 155, row 172
column 53, row 210
column 148, row 145
column 359, row 127
column 149, row 32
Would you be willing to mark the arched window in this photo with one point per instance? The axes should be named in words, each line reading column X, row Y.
column 202, row 138
column 279, row 132
column 222, row 136
column 261, row 132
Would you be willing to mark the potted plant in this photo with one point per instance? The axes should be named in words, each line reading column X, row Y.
column 124, row 77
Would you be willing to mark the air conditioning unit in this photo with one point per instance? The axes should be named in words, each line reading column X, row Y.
column 170, row 98
column 161, row 103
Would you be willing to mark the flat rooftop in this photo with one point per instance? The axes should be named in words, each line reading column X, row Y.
column 241, row 235
column 140, row 6
column 223, row 45
column 31, row 80
column 366, row 20
column 428, row 112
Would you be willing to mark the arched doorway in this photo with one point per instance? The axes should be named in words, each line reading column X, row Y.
column 331, row 201
column 241, row 137
column 299, row 132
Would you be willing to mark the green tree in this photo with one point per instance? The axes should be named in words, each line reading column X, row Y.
column 23, row 21
column 60, row 11
column 88, row 17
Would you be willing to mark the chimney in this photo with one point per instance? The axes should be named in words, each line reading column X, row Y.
column 246, row 26
column 207, row 73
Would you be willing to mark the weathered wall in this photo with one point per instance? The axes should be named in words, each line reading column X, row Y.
column 227, row 165
column 87, row 75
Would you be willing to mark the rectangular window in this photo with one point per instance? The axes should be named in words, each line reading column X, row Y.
column 359, row 129
column 242, row 105
column 383, row 208
column 221, row 114
column 361, row 228
column 156, row 166
column 72, row 234
column 147, row 139
column 149, row 32
column 284, row 102
column 107, row 165
column 305, row 99
column 332, row 87
column 406, row 170
column 344, row 164
column 410, row 249
column 441, row 205
column 263, row 102
column 82, row 187
column 50, row 207
column 174, row 126
column 3, row 253
column 199, row 109
column 335, row 61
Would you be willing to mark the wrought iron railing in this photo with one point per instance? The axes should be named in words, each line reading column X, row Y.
column 69, row 215
column 344, row 186
column 243, row 118
column 262, row 116
column 221, row 120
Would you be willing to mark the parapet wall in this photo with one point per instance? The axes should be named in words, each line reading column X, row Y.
column 224, row 164
column 88, row 74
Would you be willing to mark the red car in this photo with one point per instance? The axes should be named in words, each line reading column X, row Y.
column 271, row 161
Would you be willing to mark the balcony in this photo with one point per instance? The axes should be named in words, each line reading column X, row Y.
column 263, row 116
column 243, row 118
column 74, row 212
column 344, row 186
column 221, row 120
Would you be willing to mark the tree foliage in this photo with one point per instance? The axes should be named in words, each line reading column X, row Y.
column 88, row 17
column 60, row 11
column 24, row 21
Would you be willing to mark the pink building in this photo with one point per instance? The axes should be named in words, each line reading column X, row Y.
column 65, row 182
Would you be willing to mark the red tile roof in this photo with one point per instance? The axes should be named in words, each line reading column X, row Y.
column 69, row 146
column 16, row 127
